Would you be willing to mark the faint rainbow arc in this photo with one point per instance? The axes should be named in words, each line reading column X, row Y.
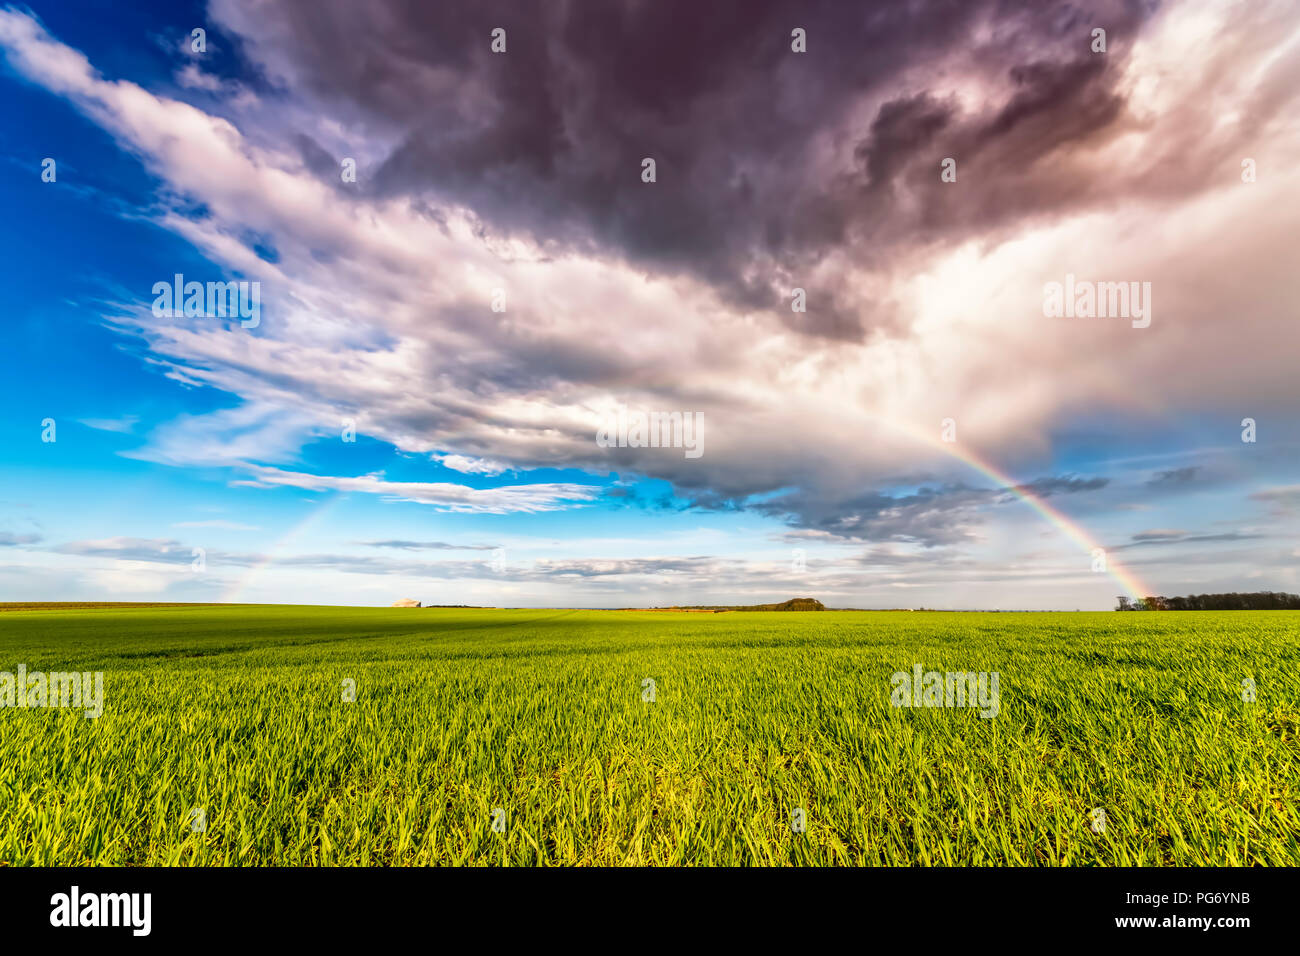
column 234, row 591
column 1074, row 531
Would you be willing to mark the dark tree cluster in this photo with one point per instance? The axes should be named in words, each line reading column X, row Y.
column 1232, row 601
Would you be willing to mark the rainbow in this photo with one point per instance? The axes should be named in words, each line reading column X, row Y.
column 1125, row 578
column 233, row 593
column 1072, row 530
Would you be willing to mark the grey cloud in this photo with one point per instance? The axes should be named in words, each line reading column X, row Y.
column 1159, row 535
column 8, row 539
column 931, row 517
column 1149, row 538
column 426, row 546
column 1063, row 485
column 1173, row 477
column 157, row 550
column 1284, row 495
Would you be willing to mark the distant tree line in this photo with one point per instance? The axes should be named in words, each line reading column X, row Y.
column 794, row 604
column 1232, row 601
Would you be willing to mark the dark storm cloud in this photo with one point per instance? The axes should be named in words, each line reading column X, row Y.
column 316, row 158
column 768, row 161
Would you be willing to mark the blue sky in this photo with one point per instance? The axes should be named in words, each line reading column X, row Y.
column 475, row 476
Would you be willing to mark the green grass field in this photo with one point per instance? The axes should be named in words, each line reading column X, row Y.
column 239, row 710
